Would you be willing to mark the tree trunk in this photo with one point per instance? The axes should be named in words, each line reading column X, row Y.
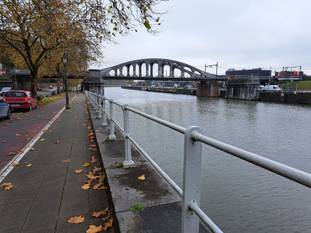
column 34, row 82
column 58, row 83
column 59, row 76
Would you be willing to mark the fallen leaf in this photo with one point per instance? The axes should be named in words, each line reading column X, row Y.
column 12, row 153
column 32, row 149
column 57, row 141
column 94, row 229
column 96, row 169
column 16, row 164
column 86, row 186
column 97, row 214
column 7, row 186
column 42, row 140
column 141, row 178
column 93, row 159
column 29, row 165
column 79, row 170
column 108, row 224
column 66, row 161
column 86, row 164
column 76, row 219
column 99, row 186
column 91, row 176
column 18, row 135
column 4, row 141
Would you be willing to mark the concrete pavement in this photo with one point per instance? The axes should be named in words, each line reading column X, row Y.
column 47, row 193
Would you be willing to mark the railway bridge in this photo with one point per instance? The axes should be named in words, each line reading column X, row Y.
column 165, row 70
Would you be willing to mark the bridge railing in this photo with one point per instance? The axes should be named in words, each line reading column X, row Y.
column 193, row 140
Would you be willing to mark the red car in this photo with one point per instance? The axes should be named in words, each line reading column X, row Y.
column 20, row 99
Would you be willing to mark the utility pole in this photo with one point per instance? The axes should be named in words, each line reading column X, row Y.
column 210, row 66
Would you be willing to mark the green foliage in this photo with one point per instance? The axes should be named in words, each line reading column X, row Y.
column 300, row 85
column 117, row 165
column 137, row 207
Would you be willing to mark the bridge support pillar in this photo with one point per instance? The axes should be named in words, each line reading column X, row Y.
column 208, row 88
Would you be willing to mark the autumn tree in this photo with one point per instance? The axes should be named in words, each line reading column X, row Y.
column 33, row 29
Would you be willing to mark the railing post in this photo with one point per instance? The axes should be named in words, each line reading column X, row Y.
column 112, row 135
column 97, row 103
column 128, row 162
column 99, row 116
column 104, row 123
column 191, row 181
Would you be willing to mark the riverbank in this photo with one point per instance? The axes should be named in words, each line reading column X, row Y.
column 162, row 90
column 288, row 97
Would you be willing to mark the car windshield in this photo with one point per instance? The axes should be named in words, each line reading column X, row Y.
column 15, row 94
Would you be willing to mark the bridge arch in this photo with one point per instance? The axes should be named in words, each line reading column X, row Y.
column 155, row 68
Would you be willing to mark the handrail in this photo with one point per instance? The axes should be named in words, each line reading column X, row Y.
column 268, row 164
column 192, row 160
column 158, row 120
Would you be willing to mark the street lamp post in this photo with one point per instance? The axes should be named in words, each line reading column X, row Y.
column 65, row 61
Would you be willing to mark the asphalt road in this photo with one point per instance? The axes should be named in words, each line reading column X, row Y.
column 22, row 127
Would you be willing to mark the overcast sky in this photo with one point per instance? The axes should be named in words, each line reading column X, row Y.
column 236, row 33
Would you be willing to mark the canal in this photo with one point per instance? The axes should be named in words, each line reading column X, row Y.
column 238, row 196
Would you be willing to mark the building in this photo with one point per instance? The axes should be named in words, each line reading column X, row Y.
column 264, row 76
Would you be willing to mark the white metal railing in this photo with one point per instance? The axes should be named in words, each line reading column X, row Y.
column 193, row 139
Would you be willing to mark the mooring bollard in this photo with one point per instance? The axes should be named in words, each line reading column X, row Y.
column 112, row 135
column 128, row 162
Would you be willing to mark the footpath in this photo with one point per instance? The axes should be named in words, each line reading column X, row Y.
column 60, row 180
column 23, row 126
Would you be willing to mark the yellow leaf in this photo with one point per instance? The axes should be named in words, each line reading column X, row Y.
column 29, row 165
column 94, row 229
column 99, row 186
column 91, row 176
column 76, row 219
column 108, row 224
column 141, row 178
column 86, row 164
column 66, row 161
column 7, row 186
column 93, row 159
column 97, row 214
column 86, row 186
column 79, row 170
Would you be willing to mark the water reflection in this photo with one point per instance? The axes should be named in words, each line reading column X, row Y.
column 238, row 196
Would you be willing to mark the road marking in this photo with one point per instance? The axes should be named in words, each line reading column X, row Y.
column 10, row 166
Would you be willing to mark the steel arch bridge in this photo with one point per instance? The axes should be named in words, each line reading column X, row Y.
column 156, row 69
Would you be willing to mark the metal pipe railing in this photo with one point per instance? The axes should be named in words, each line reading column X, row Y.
column 268, row 164
column 193, row 139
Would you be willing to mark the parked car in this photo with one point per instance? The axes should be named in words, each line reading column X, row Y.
column 269, row 88
column 3, row 91
column 20, row 99
column 5, row 112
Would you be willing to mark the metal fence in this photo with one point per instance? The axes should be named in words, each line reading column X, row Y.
column 193, row 140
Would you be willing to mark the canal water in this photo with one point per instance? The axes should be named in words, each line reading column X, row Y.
column 238, row 196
